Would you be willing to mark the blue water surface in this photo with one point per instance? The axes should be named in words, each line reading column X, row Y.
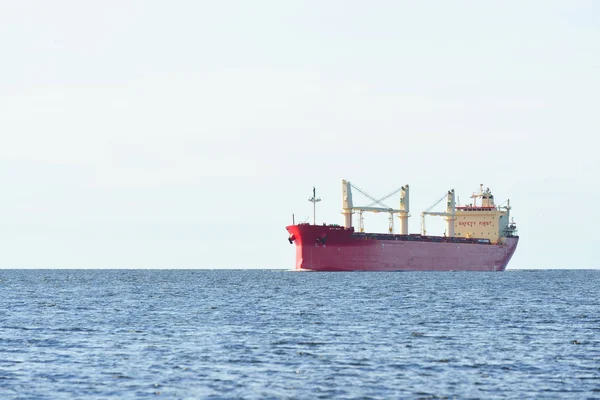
column 195, row 334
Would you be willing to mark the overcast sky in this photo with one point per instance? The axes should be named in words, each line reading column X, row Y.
column 184, row 134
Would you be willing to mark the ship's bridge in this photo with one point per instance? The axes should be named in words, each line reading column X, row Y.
column 482, row 218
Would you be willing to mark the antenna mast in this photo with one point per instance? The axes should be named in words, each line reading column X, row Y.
column 314, row 200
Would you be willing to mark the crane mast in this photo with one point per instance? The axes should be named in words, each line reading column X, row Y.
column 377, row 206
column 449, row 215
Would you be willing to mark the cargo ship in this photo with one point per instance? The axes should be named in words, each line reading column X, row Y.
column 478, row 237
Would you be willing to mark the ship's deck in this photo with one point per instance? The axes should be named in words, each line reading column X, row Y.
column 418, row 238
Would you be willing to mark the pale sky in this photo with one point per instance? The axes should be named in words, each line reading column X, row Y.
column 184, row 134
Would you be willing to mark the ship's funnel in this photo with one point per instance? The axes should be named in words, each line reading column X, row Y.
column 347, row 203
column 487, row 199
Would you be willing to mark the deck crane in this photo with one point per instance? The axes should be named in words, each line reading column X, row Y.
column 450, row 214
column 348, row 207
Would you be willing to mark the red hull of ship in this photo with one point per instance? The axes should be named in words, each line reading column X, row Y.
column 334, row 248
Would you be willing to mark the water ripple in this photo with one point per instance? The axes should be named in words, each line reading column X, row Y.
column 274, row 334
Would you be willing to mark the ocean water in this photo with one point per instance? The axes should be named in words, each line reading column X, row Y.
column 199, row 334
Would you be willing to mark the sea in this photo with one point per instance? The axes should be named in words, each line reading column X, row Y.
column 275, row 334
